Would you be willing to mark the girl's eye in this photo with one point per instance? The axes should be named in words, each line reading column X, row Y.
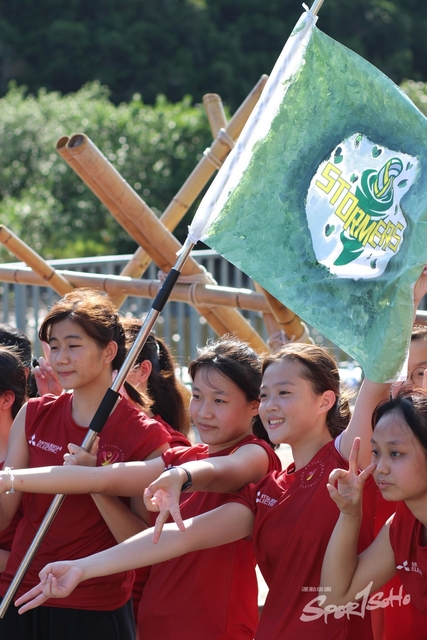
column 219, row 401
column 283, row 393
column 374, row 453
column 195, row 397
column 395, row 454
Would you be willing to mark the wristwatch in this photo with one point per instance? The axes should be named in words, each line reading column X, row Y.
column 189, row 482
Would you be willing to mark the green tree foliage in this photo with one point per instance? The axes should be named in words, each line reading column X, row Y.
column 417, row 92
column 190, row 47
column 45, row 203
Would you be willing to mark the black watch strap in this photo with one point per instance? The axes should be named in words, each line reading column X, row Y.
column 189, row 482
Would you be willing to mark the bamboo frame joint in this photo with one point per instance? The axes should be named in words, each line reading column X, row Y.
column 225, row 138
column 216, row 162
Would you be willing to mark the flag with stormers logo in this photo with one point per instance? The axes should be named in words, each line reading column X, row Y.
column 323, row 200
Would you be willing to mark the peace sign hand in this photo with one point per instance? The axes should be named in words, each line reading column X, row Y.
column 346, row 487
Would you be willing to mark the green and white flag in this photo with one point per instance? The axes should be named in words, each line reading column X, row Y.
column 323, row 200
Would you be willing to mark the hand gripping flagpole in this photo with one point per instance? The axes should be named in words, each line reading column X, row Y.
column 103, row 411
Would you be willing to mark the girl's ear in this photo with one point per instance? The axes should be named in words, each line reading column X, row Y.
column 111, row 351
column 7, row 399
column 254, row 405
column 144, row 371
column 328, row 400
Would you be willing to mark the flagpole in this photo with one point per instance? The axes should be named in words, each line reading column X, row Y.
column 317, row 4
column 100, row 418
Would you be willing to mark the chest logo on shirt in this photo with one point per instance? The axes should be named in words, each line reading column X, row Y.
column 110, row 454
column 46, row 446
column 414, row 567
column 262, row 498
column 311, row 475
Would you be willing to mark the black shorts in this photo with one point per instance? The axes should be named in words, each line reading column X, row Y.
column 59, row 623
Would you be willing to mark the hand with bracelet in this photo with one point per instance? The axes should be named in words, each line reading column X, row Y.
column 163, row 495
column 7, row 481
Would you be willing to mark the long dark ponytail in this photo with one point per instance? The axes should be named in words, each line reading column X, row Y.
column 166, row 395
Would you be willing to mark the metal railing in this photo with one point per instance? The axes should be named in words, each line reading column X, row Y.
column 180, row 324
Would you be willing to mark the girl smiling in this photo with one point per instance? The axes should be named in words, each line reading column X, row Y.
column 86, row 342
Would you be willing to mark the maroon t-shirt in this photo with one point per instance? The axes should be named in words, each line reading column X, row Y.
column 294, row 519
column 219, row 584
column 410, row 556
column 78, row 529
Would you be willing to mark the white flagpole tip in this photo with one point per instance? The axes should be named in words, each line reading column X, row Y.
column 317, row 4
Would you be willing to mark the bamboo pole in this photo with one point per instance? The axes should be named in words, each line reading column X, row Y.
column 287, row 320
column 100, row 162
column 269, row 319
column 212, row 159
column 145, row 257
column 215, row 112
column 194, row 294
column 46, row 272
column 135, row 215
column 197, row 180
column 146, row 254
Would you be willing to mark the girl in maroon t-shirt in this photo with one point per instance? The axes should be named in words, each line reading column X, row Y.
column 13, row 392
column 86, row 343
column 399, row 466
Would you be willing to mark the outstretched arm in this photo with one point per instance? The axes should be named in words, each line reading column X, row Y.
column 222, row 474
column 344, row 573
column 123, row 479
column 229, row 522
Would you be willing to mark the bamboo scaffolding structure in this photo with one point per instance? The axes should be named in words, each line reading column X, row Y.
column 191, row 188
column 197, row 180
column 44, row 270
column 145, row 257
column 215, row 112
column 144, row 226
column 194, row 294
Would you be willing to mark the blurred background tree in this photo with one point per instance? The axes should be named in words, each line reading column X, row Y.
column 131, row 74
column 190, row 47
column 43, row 201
